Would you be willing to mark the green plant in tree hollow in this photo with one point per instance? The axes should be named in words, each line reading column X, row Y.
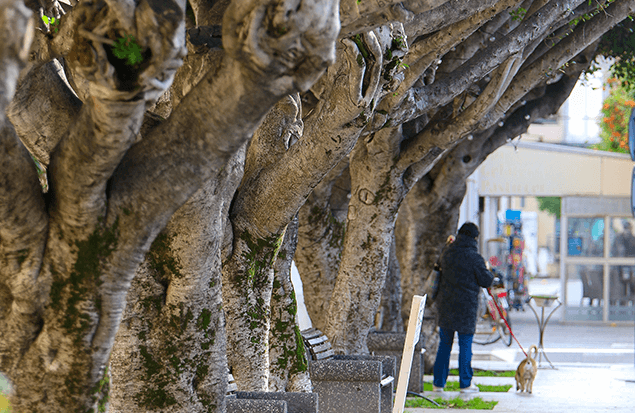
column 126, row 48
column 52, row 21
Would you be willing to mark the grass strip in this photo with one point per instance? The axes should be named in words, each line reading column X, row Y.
column 454, row 386
column 456, row 403
column 487, row 373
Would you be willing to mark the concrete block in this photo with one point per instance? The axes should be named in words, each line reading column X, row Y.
column 382, row 343
column 354, row 384
column 296, row 402
column 255, row 406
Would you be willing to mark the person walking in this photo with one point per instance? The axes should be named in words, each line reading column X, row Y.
column 463, row 273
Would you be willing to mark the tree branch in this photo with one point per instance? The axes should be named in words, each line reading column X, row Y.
column 361, row 16
column 23, row 220
column 15, row 40
column 42, row 109
column 413, row 157
column 424, row 53
column 23, row 231
column 443, row 91
column 548, row 65
column 444, row 15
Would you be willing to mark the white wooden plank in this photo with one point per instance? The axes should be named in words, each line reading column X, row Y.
column 412, row 337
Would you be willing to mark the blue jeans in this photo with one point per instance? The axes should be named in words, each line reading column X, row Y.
column 442, row 363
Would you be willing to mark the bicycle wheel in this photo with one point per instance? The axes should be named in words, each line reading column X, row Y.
column 486, row 327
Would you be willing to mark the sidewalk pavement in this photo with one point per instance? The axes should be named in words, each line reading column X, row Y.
column 595, row 367
column 579, row 389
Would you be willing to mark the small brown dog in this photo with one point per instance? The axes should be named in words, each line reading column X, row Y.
column 526, row 371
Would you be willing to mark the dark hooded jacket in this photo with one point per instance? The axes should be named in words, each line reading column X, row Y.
column 463, row 273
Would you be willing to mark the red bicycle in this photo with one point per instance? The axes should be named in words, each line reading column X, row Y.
column 490, row 326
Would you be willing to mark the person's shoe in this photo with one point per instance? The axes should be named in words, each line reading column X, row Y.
column 471, row 389
column 437, row 389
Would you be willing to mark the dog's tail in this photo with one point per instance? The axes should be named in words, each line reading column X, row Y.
column 535, row 349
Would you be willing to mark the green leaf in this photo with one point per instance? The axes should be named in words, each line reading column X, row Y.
column 128, row 49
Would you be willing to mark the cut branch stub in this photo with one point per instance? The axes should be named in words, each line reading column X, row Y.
column 289, row 42
column 117, row 63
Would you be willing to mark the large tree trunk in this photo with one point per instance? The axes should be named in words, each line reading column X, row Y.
column 287, row 355
column 180, row 276
column 170, row 350
column 280, row 173
column 372, row 211
column 322, row 225
column 389, row 315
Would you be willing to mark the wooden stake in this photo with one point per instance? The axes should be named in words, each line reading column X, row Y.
column 412, row 337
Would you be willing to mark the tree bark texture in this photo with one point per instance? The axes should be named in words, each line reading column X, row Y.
column 281, row 171
column 321, row 232
column 372, row 211
column 389, row 315
column 170, row 350
column 287, row 354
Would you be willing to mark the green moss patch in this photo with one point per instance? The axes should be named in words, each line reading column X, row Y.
column 83, row 282
column 162, row 260
column 288, row 337
column 336, row 229
column 101, row 392
column 456, row 403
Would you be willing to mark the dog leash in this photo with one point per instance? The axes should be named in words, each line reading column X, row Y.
column 506, row 323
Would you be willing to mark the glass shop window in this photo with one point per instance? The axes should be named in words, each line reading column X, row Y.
column 585, row 237
column 622, row 238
